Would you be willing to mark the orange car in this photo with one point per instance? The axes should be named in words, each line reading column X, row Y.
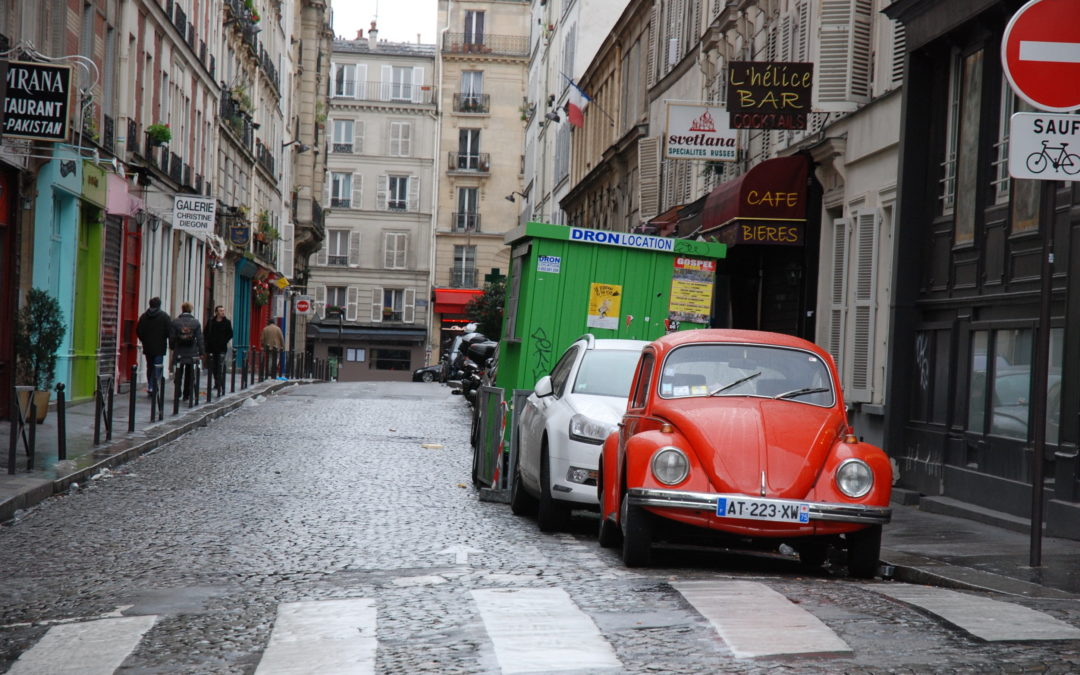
column 743, row 436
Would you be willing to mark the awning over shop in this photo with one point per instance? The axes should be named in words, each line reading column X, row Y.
column 453, row 300
column 765, row 205
column 329, row 331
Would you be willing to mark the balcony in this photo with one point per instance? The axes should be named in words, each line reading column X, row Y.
column 500, row 45
column 337, row 260
column 267, row 250
column 470, row 162
column 176, row 168
column 478, row 104
column 462, row 277
column 340, row 203
column 133, row 136
column 108, row 133
column 263, row 157
column 342, row 148
column 465, row 222
column 391, row 92
column 269, row 69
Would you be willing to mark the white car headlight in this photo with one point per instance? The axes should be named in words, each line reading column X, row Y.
column 854, row 478
column 670, row 465
column 588, row 430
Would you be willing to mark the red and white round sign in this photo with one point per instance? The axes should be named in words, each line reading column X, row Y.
column 1040, row 53
column 303, row 305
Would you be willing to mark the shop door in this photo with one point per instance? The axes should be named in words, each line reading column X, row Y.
column 129, row 301
column 86, row 307
column 110, row 299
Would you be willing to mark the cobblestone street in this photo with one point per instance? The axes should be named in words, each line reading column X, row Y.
column 361, row 492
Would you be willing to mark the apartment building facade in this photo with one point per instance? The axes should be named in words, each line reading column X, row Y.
column 371, row 279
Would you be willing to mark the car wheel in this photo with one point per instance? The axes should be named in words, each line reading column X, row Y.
column 864, row 551
column 812, row 554
column 551, row 515
column 636, row 534
column 521, row 502
column 428, row 377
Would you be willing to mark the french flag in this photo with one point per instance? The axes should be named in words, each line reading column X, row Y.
column 575, row 105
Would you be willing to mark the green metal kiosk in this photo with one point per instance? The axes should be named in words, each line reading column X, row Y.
column 568, row 281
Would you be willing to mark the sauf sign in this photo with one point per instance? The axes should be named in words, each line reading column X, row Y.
column 696, row 131
column 1044, row 146
column 37, row 104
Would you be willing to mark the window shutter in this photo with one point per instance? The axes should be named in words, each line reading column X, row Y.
column 410, row 305
column 324, row 253
column 354, row 248
column 899, row 50
column 350, row 303
column 838, row 304
column 648, row 177
column 417, row 82
column 865, row 306
column 414, row 193
column 358, row 139
column 845, row 54
column 357, row 190
column 387, row 82
column 320, row 300
column 287, row 249
column 361, row 81
column 654, row 29
column 376, row 305
column 381, row 193
column 333, row 79
column 388, row 250
column 405, row 147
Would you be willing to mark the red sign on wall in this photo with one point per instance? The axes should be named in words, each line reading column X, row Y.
column 1040, row 53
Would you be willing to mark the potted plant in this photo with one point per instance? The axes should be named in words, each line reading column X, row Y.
column 158, row 134
column 39, row 330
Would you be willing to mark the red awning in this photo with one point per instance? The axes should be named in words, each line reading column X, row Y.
column 770, row 199
column 453, row 300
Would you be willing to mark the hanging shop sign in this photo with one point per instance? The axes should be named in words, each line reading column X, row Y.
column 769, row 95
column 691, row 290
column 37, row 103
column 193, row 214
column 697, row 131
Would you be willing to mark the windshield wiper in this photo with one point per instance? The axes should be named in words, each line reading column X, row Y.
column 802, row 392
column 735, row 383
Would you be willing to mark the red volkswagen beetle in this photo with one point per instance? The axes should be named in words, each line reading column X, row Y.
column 743, row 436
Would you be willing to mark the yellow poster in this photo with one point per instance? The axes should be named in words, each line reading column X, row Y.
column 604, row 302
column 691, row 290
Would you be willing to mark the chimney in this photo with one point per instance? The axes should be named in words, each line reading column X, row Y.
column 360, row 34
column 373, row 36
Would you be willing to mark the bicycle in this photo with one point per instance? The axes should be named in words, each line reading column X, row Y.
column 1064, row 161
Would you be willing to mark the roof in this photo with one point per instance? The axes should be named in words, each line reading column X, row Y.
column 362, row 46
column 734, row 335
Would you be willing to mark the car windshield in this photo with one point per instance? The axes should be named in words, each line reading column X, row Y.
column 606, row 372
column 746, row 370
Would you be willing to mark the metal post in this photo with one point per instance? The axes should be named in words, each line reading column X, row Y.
column 192, row 375
column 33, row 434
column 109, row 418
column 132, row 392
column 243, row 369
column 210, row 378
column 1041, row 372
column 61, row 423
column 233, row 385
column 97, row 412
column 176, row 390
column 15, row 412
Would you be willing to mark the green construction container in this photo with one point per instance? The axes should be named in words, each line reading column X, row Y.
column 568, row 281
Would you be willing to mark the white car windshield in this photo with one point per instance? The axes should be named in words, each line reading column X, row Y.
column 606, row 372
column 746, row 370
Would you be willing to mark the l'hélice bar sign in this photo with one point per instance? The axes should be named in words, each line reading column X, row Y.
column 37, row 102
column 769, row 95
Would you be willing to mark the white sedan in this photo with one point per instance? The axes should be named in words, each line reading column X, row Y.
column 563, row 424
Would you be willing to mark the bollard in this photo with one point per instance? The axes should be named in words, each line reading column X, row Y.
column 176, row 392
column 210, row 380
column 61, row 423
column 243, row 369
column 33, row 435
column 14, row 432
column 132, row 392
column 157, row 401
column 97, row 413
column 193, row 376
column 109, row 418
column 233, row 378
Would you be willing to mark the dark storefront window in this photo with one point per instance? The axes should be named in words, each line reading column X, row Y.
column 390, row 359
column 968, row 152
column 930, row 400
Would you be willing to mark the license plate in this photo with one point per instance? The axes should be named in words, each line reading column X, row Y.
column 748, row 508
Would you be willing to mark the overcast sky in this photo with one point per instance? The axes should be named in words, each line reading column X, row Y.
column 399, row 20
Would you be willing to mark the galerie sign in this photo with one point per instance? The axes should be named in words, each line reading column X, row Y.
column 697, row 131
column 769, row 95
column 193, row 214
column 37, row 105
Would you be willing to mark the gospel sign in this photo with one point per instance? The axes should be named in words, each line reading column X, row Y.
column 768, row 95
column 37, row 105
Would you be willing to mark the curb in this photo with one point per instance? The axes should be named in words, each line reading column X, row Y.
column 125, row 450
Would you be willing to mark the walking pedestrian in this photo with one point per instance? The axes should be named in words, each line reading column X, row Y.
column 153, row 332
column 186, row 341
column 272, row 338
column 218, row 334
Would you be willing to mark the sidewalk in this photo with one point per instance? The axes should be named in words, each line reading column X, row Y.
column 50, row 475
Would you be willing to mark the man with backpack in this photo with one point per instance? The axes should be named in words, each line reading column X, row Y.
column 186, row 341
column 153, row 331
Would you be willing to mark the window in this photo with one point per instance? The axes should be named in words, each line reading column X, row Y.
column 337, row 246
column 336, row 296
column 401, row 87
column 467, row 216
column 398, row 198
column 472, row 85
column 967, row 156
column 948, row 177
column 560, row 374
column 395, row 248
column 463, row 273
column 468, row 149
column 393, row 304
column 474, row 28
column 391, row 359
column 344, row 133
column 1006, row 381
column 345, row 80
column 400, row 139
column 641, row 391
column 340, row 189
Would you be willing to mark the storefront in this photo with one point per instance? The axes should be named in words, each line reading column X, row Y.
column 367, row 353
column 450, row 312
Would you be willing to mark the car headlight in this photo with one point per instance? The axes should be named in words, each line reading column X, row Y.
column 854, row 478
column 670, row 465
column 588, row 430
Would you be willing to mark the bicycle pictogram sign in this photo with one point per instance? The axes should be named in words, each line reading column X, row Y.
column 1054, row 156
column 1043, row 146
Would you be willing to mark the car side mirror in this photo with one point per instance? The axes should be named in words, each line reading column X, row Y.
column 543, row 387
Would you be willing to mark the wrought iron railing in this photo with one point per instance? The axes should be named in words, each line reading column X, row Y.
column 399, row 92
column 465, row 222
column 462, row 277
column 469, row 161
column 472, row 103
column 471, row 43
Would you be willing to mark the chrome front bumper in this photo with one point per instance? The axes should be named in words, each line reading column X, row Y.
column 706, row 501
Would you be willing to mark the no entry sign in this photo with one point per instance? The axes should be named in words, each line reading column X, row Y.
column 1040, row 53
column 303, row 304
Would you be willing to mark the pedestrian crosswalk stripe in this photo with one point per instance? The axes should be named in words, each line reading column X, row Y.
column 86, row 648
column 987, row 619
column 541, row 629
column 754, row 620
column 322, row 636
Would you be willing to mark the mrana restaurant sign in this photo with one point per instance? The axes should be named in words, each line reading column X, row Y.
column 37, row 105
column 696, row 131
